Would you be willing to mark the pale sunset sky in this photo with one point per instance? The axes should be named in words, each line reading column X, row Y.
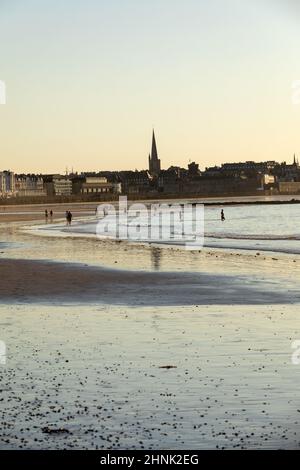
column 87, row 80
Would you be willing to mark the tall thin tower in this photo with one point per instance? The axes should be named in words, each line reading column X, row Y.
column 154, row 161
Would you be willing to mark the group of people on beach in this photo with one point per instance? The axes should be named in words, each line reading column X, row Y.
column 47, row 214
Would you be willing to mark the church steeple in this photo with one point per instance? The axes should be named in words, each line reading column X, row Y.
column 154, row 155
column 154, row 161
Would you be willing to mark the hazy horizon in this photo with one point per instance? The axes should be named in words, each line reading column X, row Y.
column 88, row 80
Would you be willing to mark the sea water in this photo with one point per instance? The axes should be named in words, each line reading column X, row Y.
column 265, row 227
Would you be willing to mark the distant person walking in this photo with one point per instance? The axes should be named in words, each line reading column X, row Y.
column 222, row 215
column 46, row 215
column 69, row 217
column 51, row 214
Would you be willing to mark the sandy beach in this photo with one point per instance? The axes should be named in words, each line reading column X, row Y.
column 119, row 346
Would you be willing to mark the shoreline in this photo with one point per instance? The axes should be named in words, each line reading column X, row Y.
column 19, row 241
column 61, row 231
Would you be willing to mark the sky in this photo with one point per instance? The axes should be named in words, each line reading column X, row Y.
column 87, row 80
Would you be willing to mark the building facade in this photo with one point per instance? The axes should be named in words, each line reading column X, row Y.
column 100, row 184
column 62, row 186
column 7, row 184
column 134, row 182
column 29, row 186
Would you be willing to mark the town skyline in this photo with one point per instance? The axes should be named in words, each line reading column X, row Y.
column 243, row 177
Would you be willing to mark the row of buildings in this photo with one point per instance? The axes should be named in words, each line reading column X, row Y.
column 84, row 184
column 230, row 178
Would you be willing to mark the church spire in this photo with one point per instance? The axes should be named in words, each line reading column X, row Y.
column 296, row 161
column 154, row 161
column 154, row 155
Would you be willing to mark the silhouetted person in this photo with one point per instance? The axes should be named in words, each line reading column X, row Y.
column 69, row 218
column 222, row 215
column 51, row 213
column 46, row 215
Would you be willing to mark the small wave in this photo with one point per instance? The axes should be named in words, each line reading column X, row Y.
column 257, row 237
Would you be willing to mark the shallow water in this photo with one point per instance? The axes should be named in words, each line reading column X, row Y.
column 269, row 227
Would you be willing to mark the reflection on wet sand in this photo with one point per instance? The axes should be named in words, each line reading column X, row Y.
column 156, row 255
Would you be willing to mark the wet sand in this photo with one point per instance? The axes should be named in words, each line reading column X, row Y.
column 87, row 345
column 26, row 281
column 93, row 377
column 32, row 212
